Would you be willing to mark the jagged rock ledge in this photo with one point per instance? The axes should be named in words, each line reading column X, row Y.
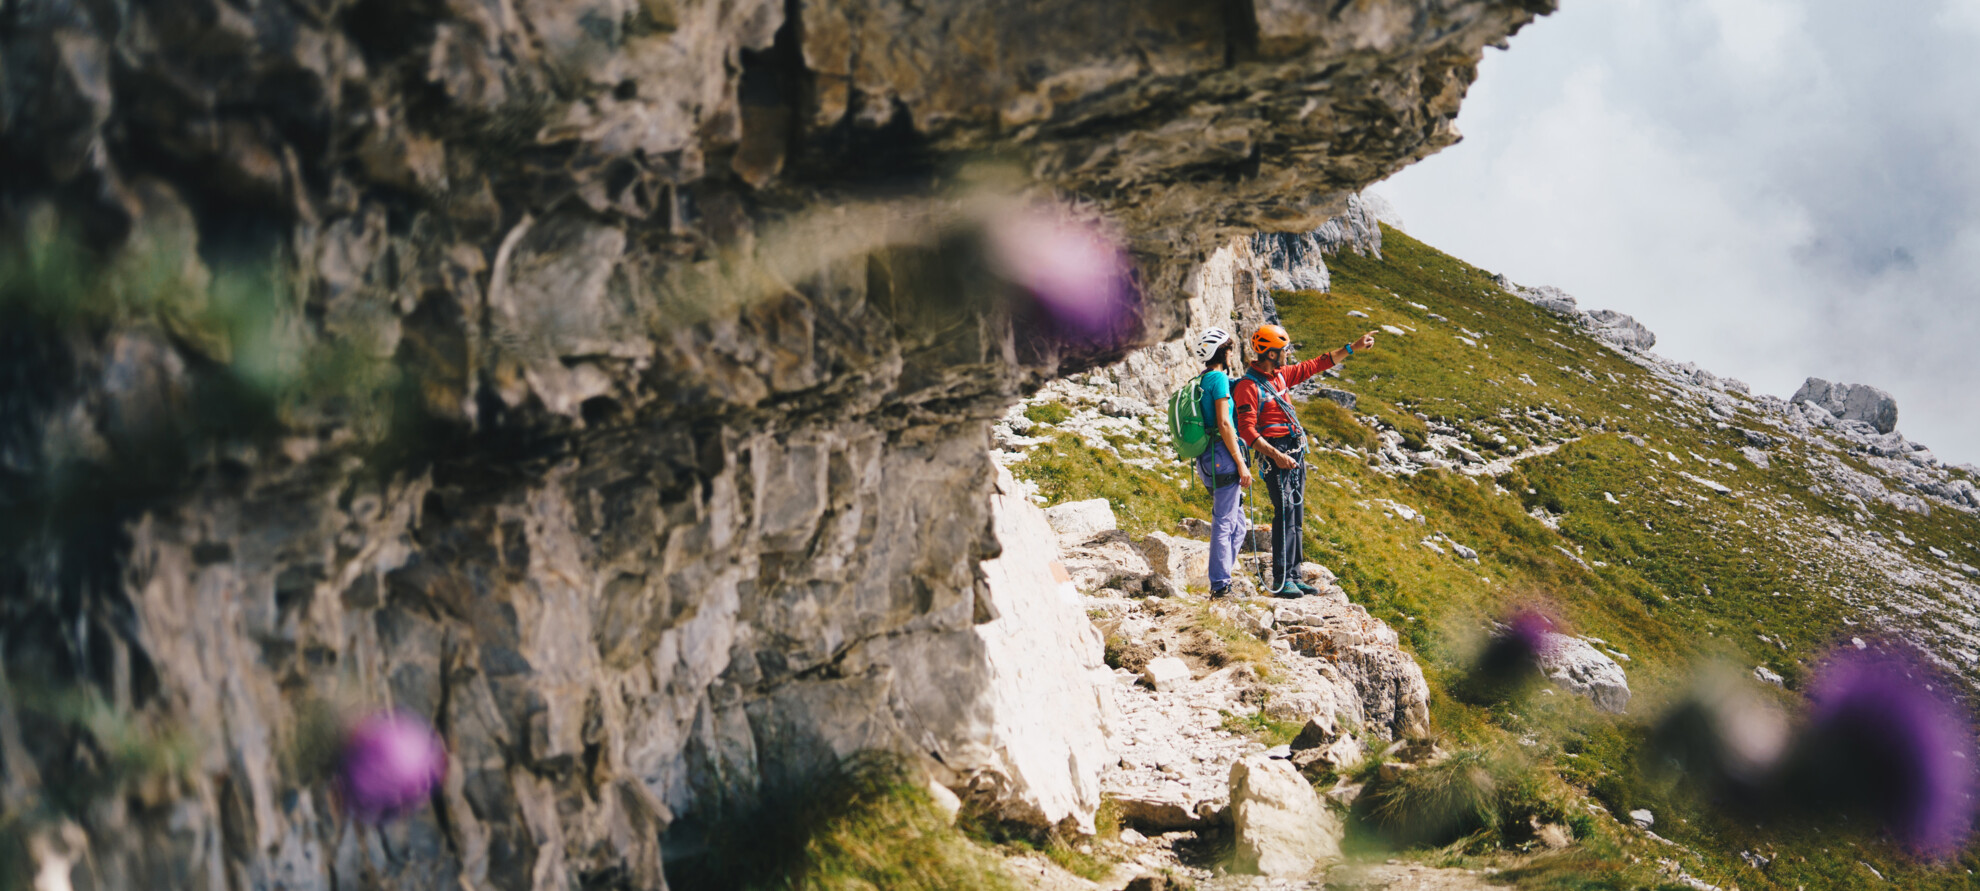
column 691, row 467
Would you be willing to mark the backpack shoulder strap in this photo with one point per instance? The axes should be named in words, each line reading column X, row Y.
column 1267, row 391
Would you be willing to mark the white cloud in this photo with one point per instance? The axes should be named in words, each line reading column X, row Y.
column 1777, row 189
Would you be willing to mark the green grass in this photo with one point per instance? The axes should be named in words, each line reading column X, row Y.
column 1067, row 469
column 1048, row 413
column 1261, row 727
column 1238, row 644
column 1645, row 563
column 1333, row 425
column 867, row 826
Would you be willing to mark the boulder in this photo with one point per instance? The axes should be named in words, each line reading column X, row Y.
column 1158, row 815
column 1193, row 527
column 1756, row 438
column 1166, row 673
column 1283, row 829
column 1077, row 521
column 1185, row 561
column 1318, row 731
column 1342, row 398
column 1851, row 402
column 1577, row 665
column 1361, row 659
column 1549, row 298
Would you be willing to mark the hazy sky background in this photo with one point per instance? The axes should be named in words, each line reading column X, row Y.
column 1777, row 188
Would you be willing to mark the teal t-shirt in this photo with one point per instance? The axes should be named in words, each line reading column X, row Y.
column 1216, row 385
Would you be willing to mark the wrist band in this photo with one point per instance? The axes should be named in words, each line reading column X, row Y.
column 1349, row 348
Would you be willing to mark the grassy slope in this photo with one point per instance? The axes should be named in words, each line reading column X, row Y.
column 1651, row 555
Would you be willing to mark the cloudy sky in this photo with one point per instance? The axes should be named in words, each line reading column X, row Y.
column 1777, row 188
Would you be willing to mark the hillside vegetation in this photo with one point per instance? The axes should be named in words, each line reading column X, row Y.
column 1619, row 493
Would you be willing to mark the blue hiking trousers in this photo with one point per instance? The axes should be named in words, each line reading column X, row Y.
column 1227, row 523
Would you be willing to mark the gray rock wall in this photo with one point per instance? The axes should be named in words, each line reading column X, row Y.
column 663, row 366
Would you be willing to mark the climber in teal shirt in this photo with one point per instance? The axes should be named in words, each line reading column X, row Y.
column 1221, row 466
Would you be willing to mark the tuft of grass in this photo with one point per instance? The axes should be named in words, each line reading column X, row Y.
column 1053, row 844
column 1121, row 652
column 1053, row 413
column 1239, row 645
column 1261, row 727
column 1070, row 858
column 1438, row 803
column 867, row 825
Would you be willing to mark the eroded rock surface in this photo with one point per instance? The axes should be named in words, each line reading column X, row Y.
column 667, row 464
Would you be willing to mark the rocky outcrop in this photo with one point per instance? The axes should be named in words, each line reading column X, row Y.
column 1547, row 297
column 618, row 415
column 1292, row 261
column 1619, row 329
column 1225, row 291
column 1358, row 228
column 1611, row 327
column 1030, row 743
column 1384, row 686
column 1850, row 402
column 1296, row 261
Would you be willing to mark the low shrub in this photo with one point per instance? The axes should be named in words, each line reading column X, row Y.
column 1438, row 803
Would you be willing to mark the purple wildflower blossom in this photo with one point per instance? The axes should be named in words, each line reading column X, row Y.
column 391, row 762
column 1077, row 274
column 1886, row 735
column 1512, row 657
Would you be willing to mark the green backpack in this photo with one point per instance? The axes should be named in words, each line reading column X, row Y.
column 1186, row 430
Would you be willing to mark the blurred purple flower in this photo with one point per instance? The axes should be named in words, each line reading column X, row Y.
column 1886, row 734
column 1512, row 657
column 1078, row 274
column 390, row 763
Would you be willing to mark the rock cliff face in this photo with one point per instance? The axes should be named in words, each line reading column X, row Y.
column 1295, row 261
column 669, row 458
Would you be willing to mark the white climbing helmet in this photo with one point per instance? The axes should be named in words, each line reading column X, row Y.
column 1211, row 341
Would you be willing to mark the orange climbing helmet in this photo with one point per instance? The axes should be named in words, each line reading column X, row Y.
column 1269, row 337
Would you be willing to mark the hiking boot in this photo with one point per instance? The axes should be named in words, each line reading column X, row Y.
column 1288, row 590
column 1220, row 592
column 1307, row 589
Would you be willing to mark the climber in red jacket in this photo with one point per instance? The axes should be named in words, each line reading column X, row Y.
column 1267, row 423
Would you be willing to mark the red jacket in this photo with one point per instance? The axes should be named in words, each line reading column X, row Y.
column 1270, row 420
